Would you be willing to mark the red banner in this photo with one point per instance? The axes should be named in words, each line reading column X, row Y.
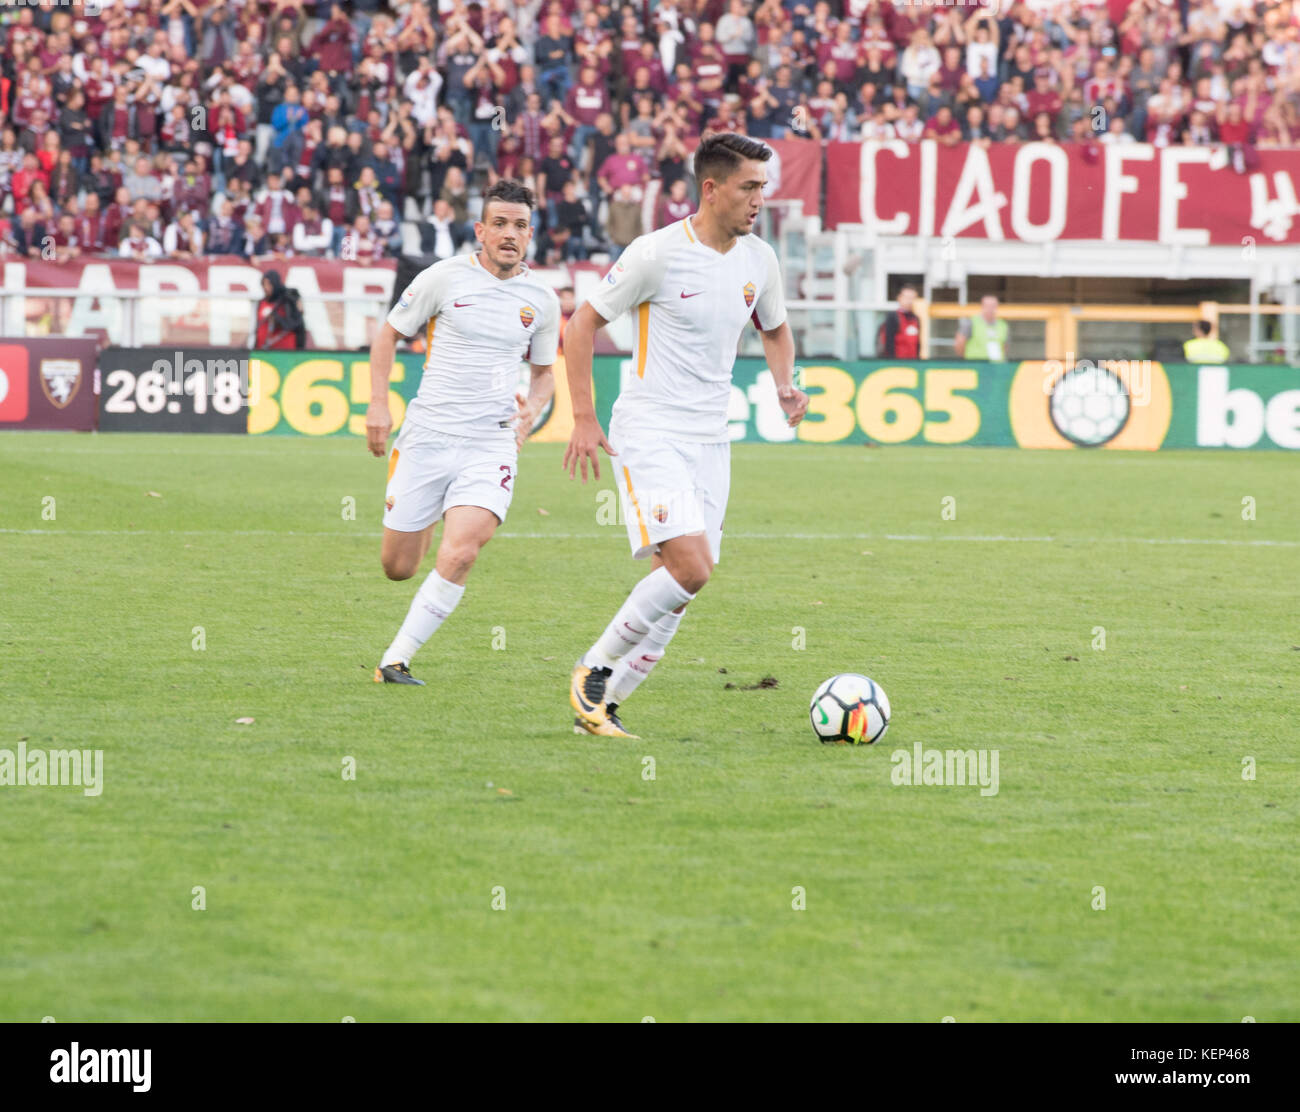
column 204, row 301
column 48, row 384
column 798, row 173
column 1040, row 192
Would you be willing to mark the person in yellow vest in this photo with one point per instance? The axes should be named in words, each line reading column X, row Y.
column 1203, row 348
column 983, row 336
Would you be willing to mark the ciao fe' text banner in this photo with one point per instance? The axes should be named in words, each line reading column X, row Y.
column 1043, row 192
column 1111, row 404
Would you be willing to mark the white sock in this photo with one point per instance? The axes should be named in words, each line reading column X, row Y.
column 637, row 665
column 656, row 595
column 433, row 603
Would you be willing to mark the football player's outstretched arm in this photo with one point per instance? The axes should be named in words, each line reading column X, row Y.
column 778, row 347
column 588, row 436
column 379, row 421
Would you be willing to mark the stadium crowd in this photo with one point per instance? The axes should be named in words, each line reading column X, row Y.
column 273, row 128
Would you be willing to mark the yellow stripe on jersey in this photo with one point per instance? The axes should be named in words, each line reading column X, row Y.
column 428, row 341
column 686, row 225
column 392, row 465
column 642, row 336
column 645, row 536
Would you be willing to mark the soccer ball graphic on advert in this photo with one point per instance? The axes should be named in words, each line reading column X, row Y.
column 1089, row 406
column 849, row 709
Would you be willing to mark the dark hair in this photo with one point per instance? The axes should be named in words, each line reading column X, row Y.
column 719, row 156
column 510, row 192
column 1204, row 327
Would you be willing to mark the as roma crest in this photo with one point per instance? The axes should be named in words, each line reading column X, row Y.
column 527, row 316
column 389, row 502
column 749, row 294
column 60, row 379
column 660, row 513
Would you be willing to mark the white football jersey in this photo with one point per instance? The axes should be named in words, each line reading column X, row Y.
column 691, row 304
column 479, row 328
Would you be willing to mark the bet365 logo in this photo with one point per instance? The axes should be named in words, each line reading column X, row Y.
column 1239, row 417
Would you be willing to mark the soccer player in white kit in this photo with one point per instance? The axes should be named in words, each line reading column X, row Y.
column 455, row 457
column 693, row 287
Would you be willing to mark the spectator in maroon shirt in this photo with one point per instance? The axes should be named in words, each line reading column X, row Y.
column 277, row 209
column 944, row 128
column 1233, row 128
column 952, row 70
column 710, row 72
column 333, row 44
column 648, row 61
column 67, row 245
column 673, row 206
column 117, row 120
column 841, row 50
column 117, row 217
column 1042, row 97
column 629, row 43
column 360, row 244
column 594, row 48
column 90, row 224
column 585, row 101
column 622, row 168
column 65, row 182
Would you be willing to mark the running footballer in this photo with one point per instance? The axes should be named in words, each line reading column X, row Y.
column 456, row 455
column 692, row 287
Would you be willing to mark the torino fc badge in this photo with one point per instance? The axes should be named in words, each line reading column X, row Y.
column 60, row 379
column 749, row 295
column 527, row 316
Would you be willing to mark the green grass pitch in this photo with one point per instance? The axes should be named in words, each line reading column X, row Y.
column 1120, row 767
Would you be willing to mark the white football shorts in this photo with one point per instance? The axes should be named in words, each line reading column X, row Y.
column 671, row 488
column 429, row 472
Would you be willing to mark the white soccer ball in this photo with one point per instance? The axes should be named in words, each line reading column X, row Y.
column 849, row 709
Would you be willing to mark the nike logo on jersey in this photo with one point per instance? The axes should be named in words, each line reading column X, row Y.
column 695, row 294
column 461, row 304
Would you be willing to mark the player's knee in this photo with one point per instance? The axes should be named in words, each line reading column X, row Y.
column 695, row 575
column 398, row 567
column 455, row 560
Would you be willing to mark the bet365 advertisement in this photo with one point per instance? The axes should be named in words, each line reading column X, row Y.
column 1108, row 404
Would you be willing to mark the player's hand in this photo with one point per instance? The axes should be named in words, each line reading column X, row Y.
column 587, row 437
column 379, row 423
column 523, row 420
column 794, row 404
